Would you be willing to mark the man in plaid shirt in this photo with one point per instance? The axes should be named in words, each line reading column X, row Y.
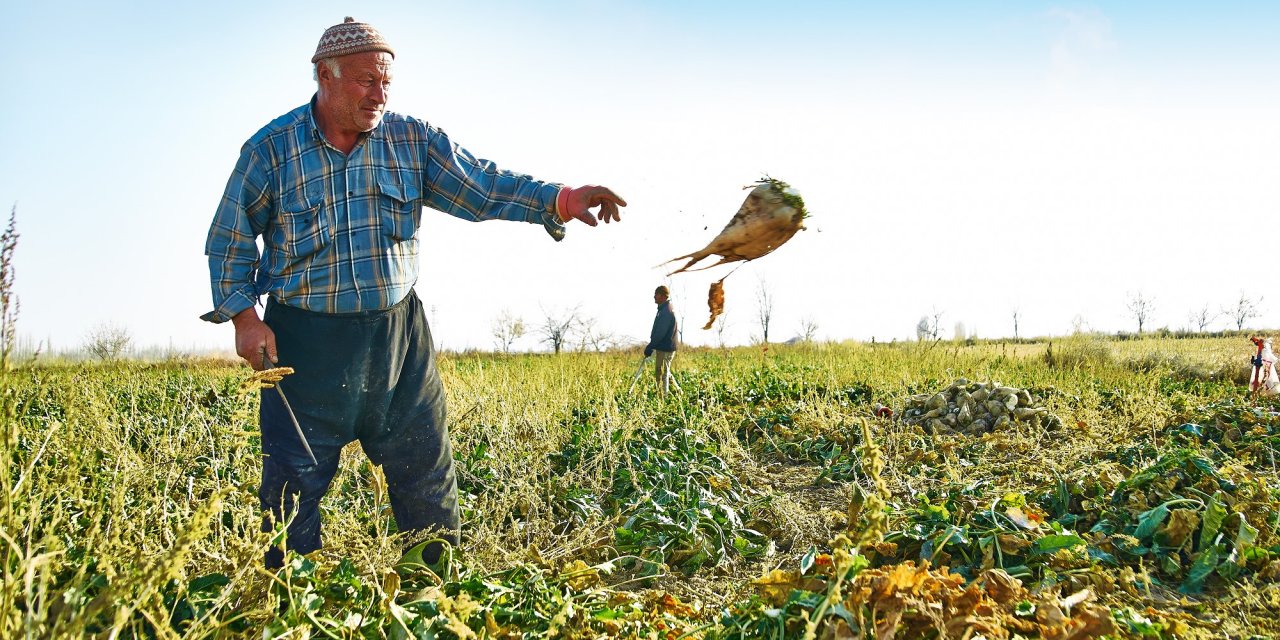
column 335, row 189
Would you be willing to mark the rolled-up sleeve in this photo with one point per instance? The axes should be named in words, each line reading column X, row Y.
column 474, row 189
column 231, row 247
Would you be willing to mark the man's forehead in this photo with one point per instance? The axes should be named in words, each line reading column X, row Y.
column 367, row 60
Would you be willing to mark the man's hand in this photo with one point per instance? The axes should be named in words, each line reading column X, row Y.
column 577, row 203
column 254, row 340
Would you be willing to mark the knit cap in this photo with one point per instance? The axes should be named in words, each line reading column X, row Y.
column 350, row 37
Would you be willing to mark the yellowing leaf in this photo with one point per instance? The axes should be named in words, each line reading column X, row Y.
column 777, row 584
column 579, row 575
column 1181, row 524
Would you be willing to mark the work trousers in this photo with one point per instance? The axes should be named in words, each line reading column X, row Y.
column 662, row 369
column 368, row 376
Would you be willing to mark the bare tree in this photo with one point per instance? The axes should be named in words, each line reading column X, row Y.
column 722, row 323
column 591, row 336
column 1017, row 315
column 680, row 315
column 927, row 327
column 507, row 328
column 107, row 342
column 808, row 329
column 1201, row 318
column 1244, row 310
column 765, row 310
column 557, row 327
column 1078, row 324
column 1141, row 308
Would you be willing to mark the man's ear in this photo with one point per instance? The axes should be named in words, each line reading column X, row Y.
column 323, row 72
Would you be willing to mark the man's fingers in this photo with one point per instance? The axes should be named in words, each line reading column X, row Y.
column 592, row 196
column 608, row 207
column 250, row 355
column 256, row 344
column 606, row 193
column 609, row 212
column 269, row 352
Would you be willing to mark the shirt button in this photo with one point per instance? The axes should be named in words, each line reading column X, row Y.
column 351, row 193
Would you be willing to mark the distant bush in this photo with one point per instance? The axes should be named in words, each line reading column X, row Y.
column 108, row 342
column 1078, row 351
column 1180, row 334
column 1182, row 367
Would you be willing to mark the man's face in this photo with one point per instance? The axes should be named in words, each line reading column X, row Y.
column 355, row 102
column 659, row 297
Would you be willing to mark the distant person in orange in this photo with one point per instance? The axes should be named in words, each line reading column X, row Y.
column 662, row 339
column 335, row 190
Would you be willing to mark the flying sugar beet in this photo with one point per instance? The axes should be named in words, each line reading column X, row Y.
column 772, row 213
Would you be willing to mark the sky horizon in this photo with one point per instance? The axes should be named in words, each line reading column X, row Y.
column 1053, row 158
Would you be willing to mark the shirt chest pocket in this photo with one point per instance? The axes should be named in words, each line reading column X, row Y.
column 303, row 228
column 399, row 208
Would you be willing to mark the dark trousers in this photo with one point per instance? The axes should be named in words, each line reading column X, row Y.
column 367, row 376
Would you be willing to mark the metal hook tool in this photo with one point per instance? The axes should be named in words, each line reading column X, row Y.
column 297, row 427
column 640, row 371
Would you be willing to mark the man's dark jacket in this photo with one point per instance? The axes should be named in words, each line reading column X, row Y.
column 663, row 336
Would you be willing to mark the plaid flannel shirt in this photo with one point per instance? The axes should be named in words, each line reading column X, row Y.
column 339, row 231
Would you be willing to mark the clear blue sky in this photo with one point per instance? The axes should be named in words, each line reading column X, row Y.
column 966, row 157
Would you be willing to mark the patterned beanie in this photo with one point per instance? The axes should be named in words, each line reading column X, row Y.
column 350, row 37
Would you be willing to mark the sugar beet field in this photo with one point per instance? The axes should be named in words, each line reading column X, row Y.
column 1081, row 489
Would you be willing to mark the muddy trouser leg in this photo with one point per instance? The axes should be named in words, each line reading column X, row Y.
column 284, row 490
column 327, row 354
column 411, row 441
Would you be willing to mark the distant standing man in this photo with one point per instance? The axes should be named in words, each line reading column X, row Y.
column 662, row 339
column 335, row 189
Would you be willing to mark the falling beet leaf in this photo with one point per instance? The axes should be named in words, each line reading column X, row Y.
column 715, row 301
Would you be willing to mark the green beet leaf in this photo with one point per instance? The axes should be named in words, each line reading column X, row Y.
column 1211, row 522
column 1051, row 544
column 1246, row 535
column 1201, row 569
column 1149, row 521
column 806, row 563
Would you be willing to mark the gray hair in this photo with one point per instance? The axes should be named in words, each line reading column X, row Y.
column 331, row 63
